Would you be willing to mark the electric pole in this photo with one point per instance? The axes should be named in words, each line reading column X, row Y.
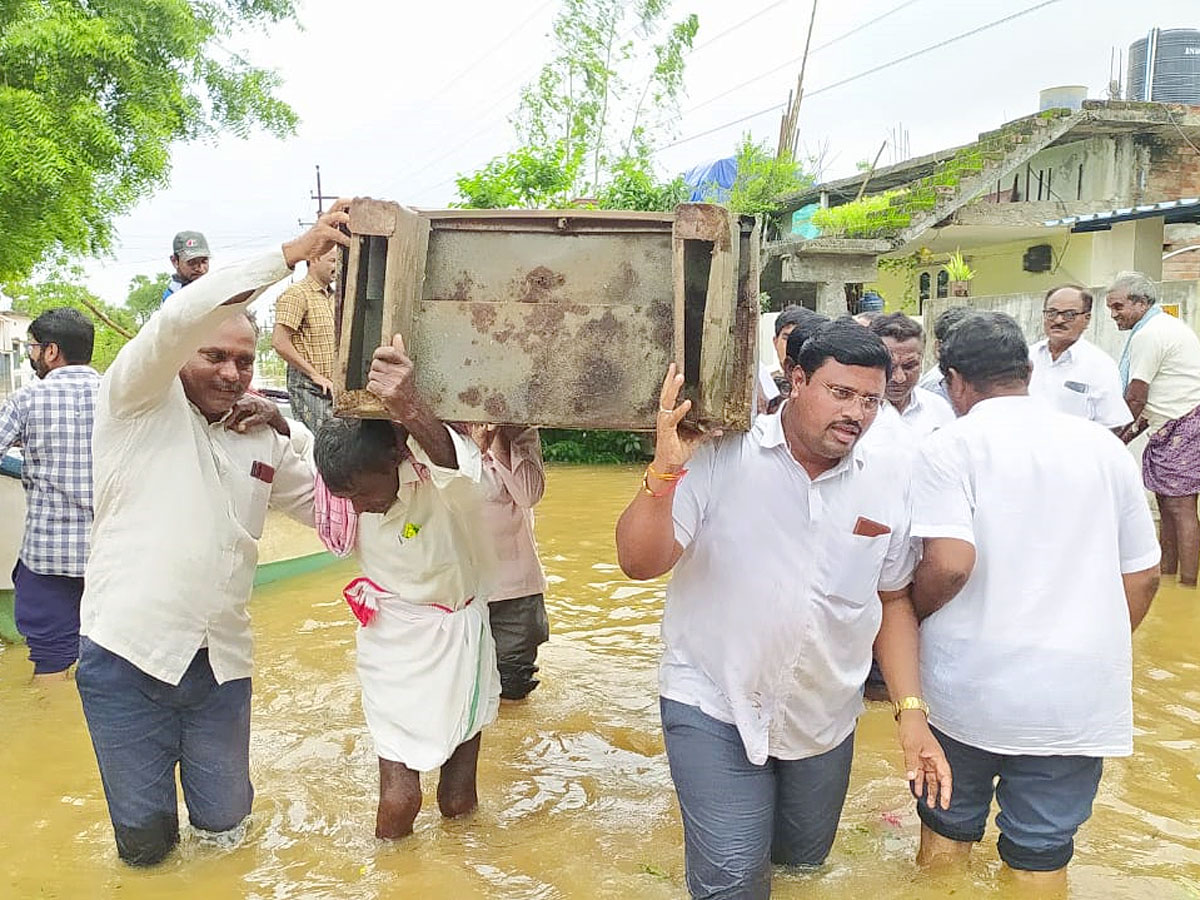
column 319, row 197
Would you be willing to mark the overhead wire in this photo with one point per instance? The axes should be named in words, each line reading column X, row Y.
column 866, row 72
column 487, row 126
column 789, row 63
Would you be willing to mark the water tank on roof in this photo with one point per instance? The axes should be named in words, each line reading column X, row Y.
column 1164, row 66
column 1067, row 96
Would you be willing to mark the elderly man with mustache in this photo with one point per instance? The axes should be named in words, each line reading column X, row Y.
column 180, row 502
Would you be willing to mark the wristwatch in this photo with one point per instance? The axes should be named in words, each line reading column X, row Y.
column 910, row 703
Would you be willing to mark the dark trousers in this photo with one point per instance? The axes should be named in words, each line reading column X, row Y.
column 519, row 627
column 142, row 728
column 739, row 818
column 46, row 609
column 311, row 405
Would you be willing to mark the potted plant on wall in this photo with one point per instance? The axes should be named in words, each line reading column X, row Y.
column 960, row 275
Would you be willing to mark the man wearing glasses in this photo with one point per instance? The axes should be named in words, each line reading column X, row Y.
column 51, row 420
column 765, row 652
column 1071, row 373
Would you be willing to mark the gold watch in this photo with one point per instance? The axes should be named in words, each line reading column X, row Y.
column 910, row 703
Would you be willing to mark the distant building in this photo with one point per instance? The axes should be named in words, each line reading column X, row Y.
column 1066, row 194
column 14, row 370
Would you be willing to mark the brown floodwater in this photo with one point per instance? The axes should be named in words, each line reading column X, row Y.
column 575, row 797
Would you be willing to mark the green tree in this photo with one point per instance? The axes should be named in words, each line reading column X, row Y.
column 145, row 295
column 62, row 287
column 92, row 95
column 763, row 179
column 594, row 112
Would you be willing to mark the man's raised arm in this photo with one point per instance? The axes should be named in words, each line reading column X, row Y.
column 148, row 365
column 646, row 544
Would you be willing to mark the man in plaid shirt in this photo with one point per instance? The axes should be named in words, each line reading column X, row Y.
column 304, row 338
column 51, row 420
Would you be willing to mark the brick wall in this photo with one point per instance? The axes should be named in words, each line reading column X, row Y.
column 1174, row 170
column 1185, row 266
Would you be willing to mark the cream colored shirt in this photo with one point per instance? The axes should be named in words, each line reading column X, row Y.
column 511, row 493
column 428, row 547
column 180, row 502
column 1165, row 353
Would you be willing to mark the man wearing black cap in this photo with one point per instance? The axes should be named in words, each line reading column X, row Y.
column 189, row 256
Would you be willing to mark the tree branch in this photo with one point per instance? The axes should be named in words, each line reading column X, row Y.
column 105, row 319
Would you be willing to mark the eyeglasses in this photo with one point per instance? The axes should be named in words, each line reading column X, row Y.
column 1067, row 315
column 843, row 395
column 29, row 345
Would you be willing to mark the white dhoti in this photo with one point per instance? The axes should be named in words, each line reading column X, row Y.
column 429, row 679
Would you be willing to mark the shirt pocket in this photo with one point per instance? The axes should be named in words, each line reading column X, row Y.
column 254, row 496
column 855, row 561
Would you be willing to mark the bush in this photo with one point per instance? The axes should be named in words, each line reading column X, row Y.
column 604, row 447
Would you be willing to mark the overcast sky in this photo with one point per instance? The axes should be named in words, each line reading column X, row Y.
column 396, row 98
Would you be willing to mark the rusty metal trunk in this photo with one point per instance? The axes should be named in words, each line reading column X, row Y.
column 564, row 319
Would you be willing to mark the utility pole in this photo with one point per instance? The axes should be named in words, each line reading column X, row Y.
column 320, row 198
column 788, row 127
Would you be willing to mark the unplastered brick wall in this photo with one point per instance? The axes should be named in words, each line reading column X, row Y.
column 1174, row 170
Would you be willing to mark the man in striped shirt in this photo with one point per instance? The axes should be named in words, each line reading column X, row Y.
column 51, row 420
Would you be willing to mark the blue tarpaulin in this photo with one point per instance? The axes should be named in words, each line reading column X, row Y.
column 802, row 222
column 710, row 182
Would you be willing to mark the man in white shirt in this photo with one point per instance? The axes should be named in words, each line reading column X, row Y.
column 766, row 651
column 933, row 379
column 1160, row 368
column 180, row 502
column 920, row 409
column 1069, row 372
column 1039, row 560
column 425, row 656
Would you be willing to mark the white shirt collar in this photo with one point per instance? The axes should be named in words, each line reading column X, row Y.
column 770, row 435
column 1068, row 355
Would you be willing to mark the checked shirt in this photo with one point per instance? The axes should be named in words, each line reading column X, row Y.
column 52, row 421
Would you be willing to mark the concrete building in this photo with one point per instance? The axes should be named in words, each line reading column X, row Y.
column 1061, row 195
column 14, row 370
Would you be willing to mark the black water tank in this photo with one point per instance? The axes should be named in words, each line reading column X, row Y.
column 1173, row 69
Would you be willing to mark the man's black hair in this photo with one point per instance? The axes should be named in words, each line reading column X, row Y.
column 345, row 447
column 792, row 315
column 948, row 319
column 898, row 327
column 986, row 349
column 804, row 329
column 846, row 342
column 70, row 330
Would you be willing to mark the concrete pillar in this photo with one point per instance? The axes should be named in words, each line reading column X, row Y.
column 1135, row 246
column 831, row 298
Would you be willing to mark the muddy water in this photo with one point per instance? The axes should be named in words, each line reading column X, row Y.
column 576, row 798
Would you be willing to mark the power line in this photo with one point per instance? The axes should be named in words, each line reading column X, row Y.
column 789, row 63
column 732, row 28
column 494, row 120
column 512, row 34
column 871, row 71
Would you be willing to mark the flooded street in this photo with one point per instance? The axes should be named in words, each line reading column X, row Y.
column 576, row 800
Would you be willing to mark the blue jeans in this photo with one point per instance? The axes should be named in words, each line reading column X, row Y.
column 46, row 610
column 1043, row 800
column 739, row 818
column 142, row 728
